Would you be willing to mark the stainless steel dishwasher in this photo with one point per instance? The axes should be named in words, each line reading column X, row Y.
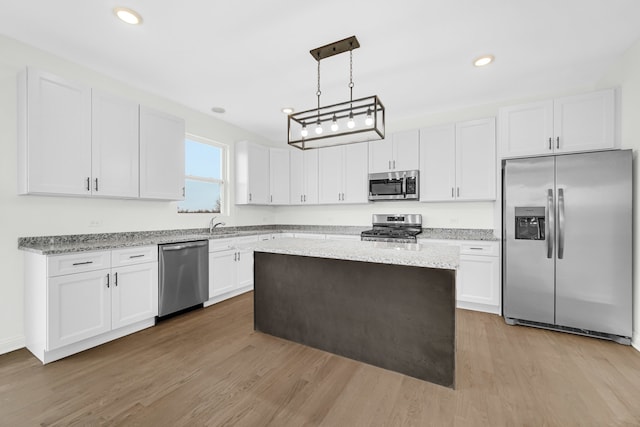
column 183, row 276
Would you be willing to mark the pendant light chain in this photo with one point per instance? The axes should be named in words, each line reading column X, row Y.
column 318, row 93
column 351, row 73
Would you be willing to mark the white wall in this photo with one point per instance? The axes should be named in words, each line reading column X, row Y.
column 626, row 73
column 36, row 215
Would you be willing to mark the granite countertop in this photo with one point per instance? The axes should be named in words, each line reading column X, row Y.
column 53, row 245
column 412, row 254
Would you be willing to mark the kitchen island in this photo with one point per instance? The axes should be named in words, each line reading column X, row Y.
column 389, row 305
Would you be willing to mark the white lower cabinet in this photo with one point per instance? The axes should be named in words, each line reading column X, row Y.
column 77, row 301
column 478, row 275
column 230, row 269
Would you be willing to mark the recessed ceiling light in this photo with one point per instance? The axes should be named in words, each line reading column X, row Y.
column 287, row 110
column 218, row 110
column 483, row 60
column 129, row 16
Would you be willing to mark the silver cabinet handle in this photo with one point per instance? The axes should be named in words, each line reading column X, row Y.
column 394, row 164
column 182, row 191
column 557, row 142
column 136, row 256
column 549, row 224
column 96, row 184
column 271, row 199
column 452, row 193
column 560, row 223
column 249, row 196
column 235, row 256
column 238, row 256
column 107, row 280
column 550, row 146
column 116, row 279
column 458, row 192
column 88, row 184
column 389, row 164
column 301, row 198
column 305, row 198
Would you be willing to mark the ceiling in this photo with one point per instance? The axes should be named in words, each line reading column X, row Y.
column 252, row 57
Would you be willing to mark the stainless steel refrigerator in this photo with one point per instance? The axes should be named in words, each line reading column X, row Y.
column 567, row 226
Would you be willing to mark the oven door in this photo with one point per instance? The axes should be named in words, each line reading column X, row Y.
column 386, row 186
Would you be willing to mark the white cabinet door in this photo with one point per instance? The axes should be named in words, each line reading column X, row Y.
column 244, row 264
column 223, row 272
column 161, row 155
column 279, row 176
column 114, row 146
column 54, row 134
column 252, row 174
column 437, row 163
column 79, row 307
column 584, row 122
column 478, row 280
column 476, row 160
column 355, row 186
column 310, row 159
column 527, row 129
column 296, row 177
column 381, row 155
column 406, row 150
column 570, row 124
column 331, row 174
column 134, row 294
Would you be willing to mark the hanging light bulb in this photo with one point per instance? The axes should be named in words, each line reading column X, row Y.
column 318, row 127
column 304, row 132
column 351, row 124
column 334, row 124
column 369, row 120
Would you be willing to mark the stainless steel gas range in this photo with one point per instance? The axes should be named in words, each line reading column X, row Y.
column 397, row 228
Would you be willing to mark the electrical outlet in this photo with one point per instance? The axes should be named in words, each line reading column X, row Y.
column 94, row 223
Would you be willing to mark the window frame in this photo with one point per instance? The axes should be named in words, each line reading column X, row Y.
column 224, row 170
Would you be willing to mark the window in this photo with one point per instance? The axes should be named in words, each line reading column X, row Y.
column 205, row 163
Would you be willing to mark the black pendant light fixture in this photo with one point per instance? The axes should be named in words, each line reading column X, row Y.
column 355, row 120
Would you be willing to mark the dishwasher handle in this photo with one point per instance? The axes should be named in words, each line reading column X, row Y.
column 180, row 246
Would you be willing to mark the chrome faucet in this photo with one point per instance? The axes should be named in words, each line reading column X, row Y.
column 212, row 225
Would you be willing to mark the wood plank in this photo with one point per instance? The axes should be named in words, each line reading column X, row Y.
column 208, row 367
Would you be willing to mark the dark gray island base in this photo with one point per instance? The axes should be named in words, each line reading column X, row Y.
column 396, row 317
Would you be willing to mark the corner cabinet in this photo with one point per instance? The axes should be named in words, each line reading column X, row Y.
column 161, row 155
column 77, row 301
column 398, row 152
column 252, row 174
column 570, row 124
column 458, row 162
column 54, row 135
column 343, row 174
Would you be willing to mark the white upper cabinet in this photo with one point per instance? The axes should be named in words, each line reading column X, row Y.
column 437, row 163
column 458, row 162
column 76, row 141
column 304, row 177
column 565, row 125
column 54, row 135
column 343, row 174
column 476, row 160
column 398, row 152
column 252, row 174
column 114, row 146
column 161, row 155
column 279, row 176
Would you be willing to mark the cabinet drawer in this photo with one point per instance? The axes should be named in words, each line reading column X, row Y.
column 217, row 245
column 479, row 248
column 136, row 255
column 59, row 265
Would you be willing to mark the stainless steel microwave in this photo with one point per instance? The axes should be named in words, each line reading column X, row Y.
column 402, row 185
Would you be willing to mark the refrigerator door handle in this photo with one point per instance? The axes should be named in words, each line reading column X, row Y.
column 549, row 224
column 560, row 223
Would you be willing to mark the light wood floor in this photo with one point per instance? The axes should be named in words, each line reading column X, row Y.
column 209, row 367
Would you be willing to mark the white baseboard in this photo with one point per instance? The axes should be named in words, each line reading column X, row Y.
column 11, row 344
column 635, row 341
